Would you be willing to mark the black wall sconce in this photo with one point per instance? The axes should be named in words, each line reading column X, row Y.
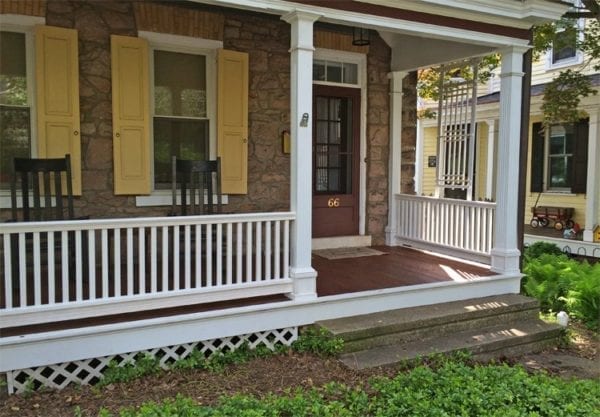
column 361, row 37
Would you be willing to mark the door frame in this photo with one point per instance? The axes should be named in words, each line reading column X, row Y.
column 361, row 60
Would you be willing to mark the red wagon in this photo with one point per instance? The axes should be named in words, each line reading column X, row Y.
column 561, row 216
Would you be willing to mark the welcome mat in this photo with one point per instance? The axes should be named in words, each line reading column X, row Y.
column 342, row 253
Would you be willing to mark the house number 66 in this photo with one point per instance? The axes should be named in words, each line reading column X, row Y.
column 333, row 202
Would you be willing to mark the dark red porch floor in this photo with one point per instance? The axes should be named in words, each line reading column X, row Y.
column 399, row 267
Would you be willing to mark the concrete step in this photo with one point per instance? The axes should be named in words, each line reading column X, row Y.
column 501, row 340
column 416, row 323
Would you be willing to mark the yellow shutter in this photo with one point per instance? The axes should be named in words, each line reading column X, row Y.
column 57, row 105
column 232, row 116
column 131, row 115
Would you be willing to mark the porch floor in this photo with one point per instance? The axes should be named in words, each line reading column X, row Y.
column 397, row 267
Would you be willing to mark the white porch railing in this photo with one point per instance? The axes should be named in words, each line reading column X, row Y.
column 74, row 269
column 446, row 225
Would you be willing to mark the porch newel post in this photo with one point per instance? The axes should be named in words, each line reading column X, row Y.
column 395, row 159
column 505, row 252
column 593, row 177
column 301, row 50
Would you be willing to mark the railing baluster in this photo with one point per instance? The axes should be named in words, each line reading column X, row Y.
column 229, row 253
column 187, row 257
column 209, row 280
column 78, row 267
column 64, row 252
column 130, row 257
column 51, row 271
column 286, row 249
column 258, row 258
column 117, row 262
column 165, row 258
column 37, row 270
column 219, row 249
column 198, row 255
column 105, row 264
column 249, row 274
column 277, row 251
column 91, row 254
column 142, row 260
column 239, row 235
column 176, row 277
column 8, row 277
column 153, row 261
column 268, row 259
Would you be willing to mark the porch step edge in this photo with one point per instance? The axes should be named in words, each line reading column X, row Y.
column 496, row 341
column 403, row 320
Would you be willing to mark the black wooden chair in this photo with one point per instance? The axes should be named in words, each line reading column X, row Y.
column 42, row 190
column 199, row 184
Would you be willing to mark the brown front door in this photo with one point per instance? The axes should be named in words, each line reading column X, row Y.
column 336, row 133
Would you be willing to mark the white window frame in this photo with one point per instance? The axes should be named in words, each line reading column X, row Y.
column 187, row 45
column 574, row 60
column 26, row 25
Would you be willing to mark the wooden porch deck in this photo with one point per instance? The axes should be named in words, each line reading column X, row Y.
column 398, row 267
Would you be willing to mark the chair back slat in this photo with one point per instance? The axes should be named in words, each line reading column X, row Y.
column 197, row 181
column 42, row 182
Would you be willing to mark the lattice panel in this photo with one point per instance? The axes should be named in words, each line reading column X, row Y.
column 89, row 371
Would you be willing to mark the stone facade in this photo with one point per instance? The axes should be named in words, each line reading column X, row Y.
column 266, row 39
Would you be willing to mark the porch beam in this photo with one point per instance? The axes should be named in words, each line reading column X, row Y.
column 302, row 273
column 505, row 252
column 593, row 177
column 395, row 158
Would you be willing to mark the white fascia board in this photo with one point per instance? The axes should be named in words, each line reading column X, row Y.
column 378, row 23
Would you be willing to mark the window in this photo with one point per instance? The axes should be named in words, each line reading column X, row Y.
column 564, row 50
column 560, row 154
column 180, row 119
column 15, row 103
column 559, row 157
column 335, row 72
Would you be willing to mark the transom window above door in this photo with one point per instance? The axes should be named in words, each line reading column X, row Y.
column 335, row 72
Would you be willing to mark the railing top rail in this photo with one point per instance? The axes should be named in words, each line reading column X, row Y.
column 98, row 224
column 454, row 201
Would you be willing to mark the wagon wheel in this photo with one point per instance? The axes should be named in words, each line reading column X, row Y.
column 534, row 222
column 569, row 224
column 558, row 225
column 543, row 221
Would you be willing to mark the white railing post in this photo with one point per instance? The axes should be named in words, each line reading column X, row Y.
column 395, row 159
column 301, row 50
column 505, row 252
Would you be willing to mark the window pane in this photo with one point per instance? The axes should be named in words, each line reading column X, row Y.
column 13, row 73
column 351, row 73
column 319, row 70
column 15, row 139
column 564, row 46
column 179, row 84
column 557, row 145
column 334, row 72
column 187, row 139
column 558, row 172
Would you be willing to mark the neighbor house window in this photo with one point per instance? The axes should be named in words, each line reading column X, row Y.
column 15, row 104
column 181, row 119
column 564, row 49
column 560, row 154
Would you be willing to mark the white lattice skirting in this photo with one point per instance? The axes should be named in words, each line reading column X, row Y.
column 89, row 371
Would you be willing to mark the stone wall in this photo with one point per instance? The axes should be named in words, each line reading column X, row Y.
column 266, row 39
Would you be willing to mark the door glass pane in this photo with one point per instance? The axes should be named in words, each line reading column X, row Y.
column 179, row 84
column 187, row 139
column 321, row 104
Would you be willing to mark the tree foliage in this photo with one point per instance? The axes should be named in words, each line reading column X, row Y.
column 563, row 94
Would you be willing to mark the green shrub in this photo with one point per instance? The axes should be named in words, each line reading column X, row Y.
column 538, row 249
column 560, row 283
column 319, row 341
column 453, row 389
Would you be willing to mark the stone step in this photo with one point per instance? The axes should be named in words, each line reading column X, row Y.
column 496, row 341
column 415, row 323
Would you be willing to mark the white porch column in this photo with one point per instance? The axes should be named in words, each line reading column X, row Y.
column 395, row 161
column 505, row 252
column 491, row 152
column 301, row 50
column 592, row 192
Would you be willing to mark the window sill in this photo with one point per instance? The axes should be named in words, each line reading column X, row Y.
column 163, row 198
column 559, row 192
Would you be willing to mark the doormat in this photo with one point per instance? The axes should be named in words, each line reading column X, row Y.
column 342, row 253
